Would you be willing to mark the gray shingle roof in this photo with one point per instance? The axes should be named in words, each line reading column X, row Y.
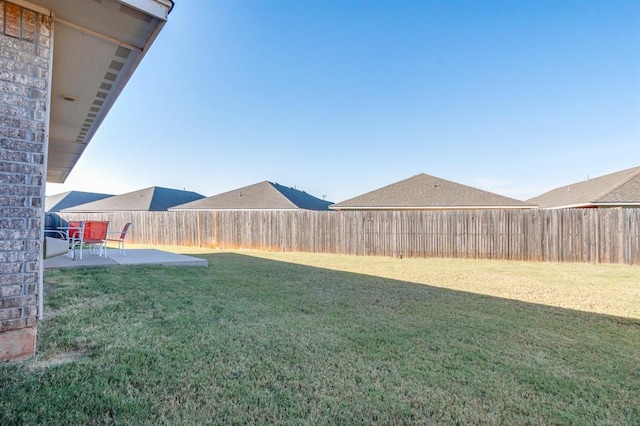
column 55, row 203
column 154, row 198
column 620, row 188
column 260, row 196
column 422, row 192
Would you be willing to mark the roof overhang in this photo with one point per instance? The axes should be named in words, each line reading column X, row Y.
column 622, row 204
column 97, row 45
column 404, row 208
column 593, row 205
column 175, row 209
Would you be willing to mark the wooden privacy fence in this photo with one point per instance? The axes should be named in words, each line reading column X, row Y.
column 571, row 235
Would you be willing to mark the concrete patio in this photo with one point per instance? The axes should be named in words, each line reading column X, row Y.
column 132, row 257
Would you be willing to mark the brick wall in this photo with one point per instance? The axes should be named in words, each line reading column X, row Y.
column 25, row 40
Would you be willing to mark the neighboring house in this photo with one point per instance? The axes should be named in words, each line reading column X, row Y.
column 55, row 203
column 260, row 196
column 424, row 192
column 64, row 63
column 153, row 199
column 620, row 189
column 58, row 202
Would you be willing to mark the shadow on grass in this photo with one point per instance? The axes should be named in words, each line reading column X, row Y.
column 251, row 340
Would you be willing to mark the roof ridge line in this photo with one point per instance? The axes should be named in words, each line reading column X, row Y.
column 622, row 182
column 276, row 186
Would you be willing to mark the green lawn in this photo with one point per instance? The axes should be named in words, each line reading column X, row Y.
column 289, row 339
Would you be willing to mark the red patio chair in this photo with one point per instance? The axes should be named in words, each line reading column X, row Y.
column 120, row 239
column 75, row 233
column 95, row 236
column 75, row 229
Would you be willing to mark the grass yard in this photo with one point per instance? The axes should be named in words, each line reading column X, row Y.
column 314, row 339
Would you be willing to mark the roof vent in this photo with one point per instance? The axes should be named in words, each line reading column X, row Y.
column 69, row 98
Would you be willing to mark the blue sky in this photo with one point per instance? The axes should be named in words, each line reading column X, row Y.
column 338, row 98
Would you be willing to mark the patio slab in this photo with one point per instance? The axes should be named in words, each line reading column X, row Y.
column 132, row 257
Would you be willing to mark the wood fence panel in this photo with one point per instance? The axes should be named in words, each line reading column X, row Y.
column 564, row 235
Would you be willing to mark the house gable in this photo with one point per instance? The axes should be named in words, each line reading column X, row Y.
column 423, row 192
column 260, row 196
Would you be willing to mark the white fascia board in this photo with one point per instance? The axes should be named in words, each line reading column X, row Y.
column 592, row 205
column 571, row 206
column 157, row 8
column 435, row 208
column 627, row 204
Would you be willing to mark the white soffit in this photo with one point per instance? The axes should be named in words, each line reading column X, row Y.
column 97, row 47
column 157, row 9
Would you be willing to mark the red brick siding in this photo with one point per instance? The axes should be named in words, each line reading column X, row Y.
column 24, row 80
